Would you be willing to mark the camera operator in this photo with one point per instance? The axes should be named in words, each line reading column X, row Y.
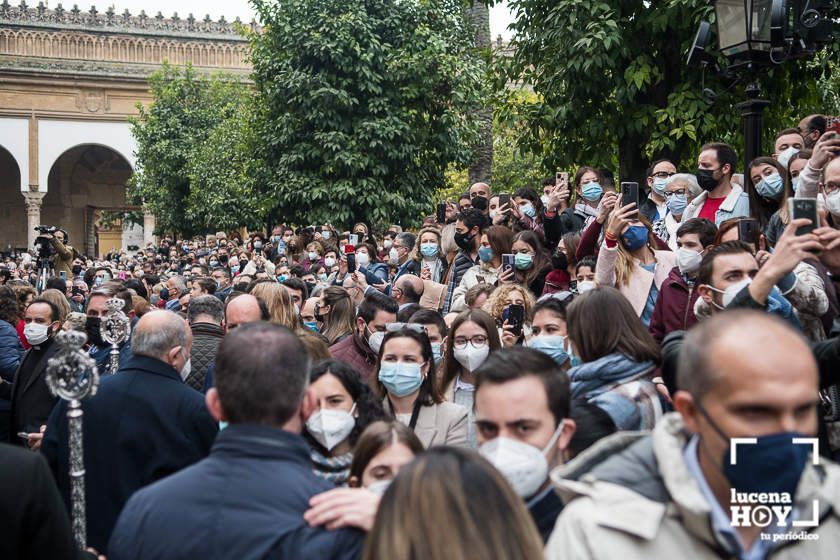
column 62, row 258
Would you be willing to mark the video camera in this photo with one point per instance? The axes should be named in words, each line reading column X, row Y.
column 43, row 248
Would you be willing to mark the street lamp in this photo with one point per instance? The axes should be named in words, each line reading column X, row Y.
column 756, row 33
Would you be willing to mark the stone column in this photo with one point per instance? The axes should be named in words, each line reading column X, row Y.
column 34, row 200
column 148, row 227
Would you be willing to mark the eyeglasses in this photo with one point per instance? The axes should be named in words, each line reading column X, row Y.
column 663, row 174
column 415, row 327
column 477, row 341
column 675, row 193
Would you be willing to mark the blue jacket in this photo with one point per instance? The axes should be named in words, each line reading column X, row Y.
column 245, row 501
column 11, row 351
column 103, row 356
column 142, row 425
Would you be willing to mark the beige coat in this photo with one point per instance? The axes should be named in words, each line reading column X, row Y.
column 636, row 291
column 440, row 424
column 667, row 517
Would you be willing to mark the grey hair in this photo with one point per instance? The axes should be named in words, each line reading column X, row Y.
column 407, row 239
column 180, row 284
column 690, row 180
column 157, row 342
column 206, row 305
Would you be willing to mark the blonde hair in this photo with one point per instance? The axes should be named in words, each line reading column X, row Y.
column 625, row 263
column 460, row 491
column 278, row 300
column 497, row 301
column 59, row 300
column 415, row 252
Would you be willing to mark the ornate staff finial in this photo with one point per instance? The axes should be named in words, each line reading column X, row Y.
column 72, row 376
column 116, row 328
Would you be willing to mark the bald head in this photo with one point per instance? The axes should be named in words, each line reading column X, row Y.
column 480, row 189
column 242, row 309
column 158, row 333
column 747, row 349
column 410, row 287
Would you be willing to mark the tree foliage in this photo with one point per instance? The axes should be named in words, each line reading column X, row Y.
column 193, row 153
column 363, row 105
column 614, row 88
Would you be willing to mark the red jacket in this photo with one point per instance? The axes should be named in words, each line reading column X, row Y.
column 355, row 353
column 674, row 308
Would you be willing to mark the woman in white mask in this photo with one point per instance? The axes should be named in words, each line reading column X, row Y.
column 405, row 380
column 472, row 337
column 346, row 406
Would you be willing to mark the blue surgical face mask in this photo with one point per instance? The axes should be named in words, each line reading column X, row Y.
column 795, row 183
column 485, row 254
column 400, row 378
column 312, row 326
column 676, row 204
column 592, row 191
column 553, row 346
column 523, row 261
column 437, row 351
column 282, row 278
column 771, row 186
column 429, row 250
column 659, row 186
column 772, row 464
column 635, row 237
column 529, row 210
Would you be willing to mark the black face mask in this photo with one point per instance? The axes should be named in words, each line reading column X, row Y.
column 706, row 179
column 464, row 241
column 310, row 287
column 559, row 260
column 480, row 203
column 77, row 269
column 164, row 294
column 93, row 327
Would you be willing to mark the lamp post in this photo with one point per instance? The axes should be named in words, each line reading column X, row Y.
column 757, row 33
column 743, row 28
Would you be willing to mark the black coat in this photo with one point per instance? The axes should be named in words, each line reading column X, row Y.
column 245, row 501
column 34, row 522
column 143, row 424
column 31, row 399
column 545, row 509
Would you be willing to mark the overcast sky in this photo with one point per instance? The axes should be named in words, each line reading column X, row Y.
column 499, row 15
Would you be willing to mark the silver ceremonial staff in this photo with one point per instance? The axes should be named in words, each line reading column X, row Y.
column 115, row 327
column 72, row 376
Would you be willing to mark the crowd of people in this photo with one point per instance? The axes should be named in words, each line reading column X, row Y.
column 555, row 372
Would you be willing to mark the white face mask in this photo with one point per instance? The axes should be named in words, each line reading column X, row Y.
column 784, row 157
column 331, row 427
column 492, row 215
column 585, row 286
column 387, row 243
column 730, row 292
column 393, row 255
column 185, row 371
column 688, row 260
column 545, row 199
column 36, row 333
column 523, row 466
column 362, row 259
column 313, row 256
column 471, row 358
column 375, row 341
column 380, row 486
column 832, row 203
column 329, row 262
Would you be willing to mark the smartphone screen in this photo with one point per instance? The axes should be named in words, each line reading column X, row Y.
column 507, row 262
column 504, row 199
column 354, row 239
column 630, row 194
column 748, row 232
column 351, row 262
column 804, row 208
column 515, row 317
column 441, row 213
column 63, row 275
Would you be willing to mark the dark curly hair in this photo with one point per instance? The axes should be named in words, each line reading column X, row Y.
column 8, row 305
column 368, row 408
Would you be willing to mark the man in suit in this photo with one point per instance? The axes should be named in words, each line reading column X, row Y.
column 143, row 424
column 247, row 499
column 30, row 396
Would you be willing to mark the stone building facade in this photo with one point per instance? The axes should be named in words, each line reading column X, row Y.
column 69, row 80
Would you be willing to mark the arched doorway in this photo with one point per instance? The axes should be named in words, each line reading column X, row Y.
column 86, row 190
column 13, row 234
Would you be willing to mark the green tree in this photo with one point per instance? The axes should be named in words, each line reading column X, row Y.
column 365, row 105
column 614, row 89
column 192, row 150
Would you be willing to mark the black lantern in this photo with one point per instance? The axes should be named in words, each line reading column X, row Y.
column 743, row 28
